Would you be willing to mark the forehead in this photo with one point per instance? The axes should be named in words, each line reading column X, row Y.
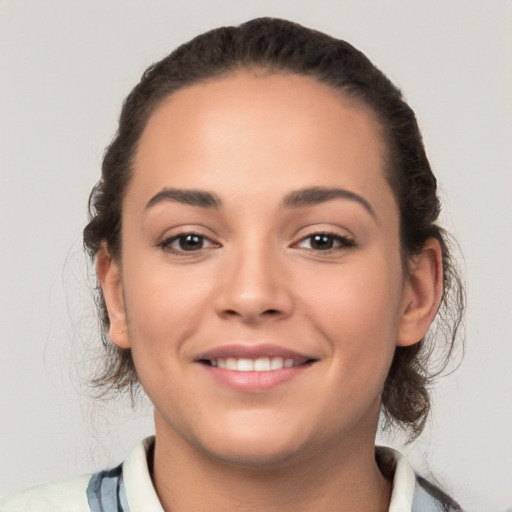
column 260, row 129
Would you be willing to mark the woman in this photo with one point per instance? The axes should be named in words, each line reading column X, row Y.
column 270, row 264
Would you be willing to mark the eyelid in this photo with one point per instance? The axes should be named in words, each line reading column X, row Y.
column 345, row 242
column 166, row 242
column 167, row 232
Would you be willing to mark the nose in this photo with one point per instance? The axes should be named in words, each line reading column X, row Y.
column 254, row 288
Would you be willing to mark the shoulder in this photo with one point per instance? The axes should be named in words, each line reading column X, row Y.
column 127, row 487
column 411, row 492
column 69, row 496
column 427, row 495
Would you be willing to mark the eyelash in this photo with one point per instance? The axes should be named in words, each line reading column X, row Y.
column 342, row 242
column 166, row 245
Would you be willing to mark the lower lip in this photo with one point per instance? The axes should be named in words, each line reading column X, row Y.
column 254, row 382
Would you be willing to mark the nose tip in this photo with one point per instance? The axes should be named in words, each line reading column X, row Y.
column 252, row 292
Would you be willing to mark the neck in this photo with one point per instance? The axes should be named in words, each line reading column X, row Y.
column 345, row 478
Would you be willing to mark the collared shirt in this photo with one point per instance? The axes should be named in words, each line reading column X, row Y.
column 128, row 488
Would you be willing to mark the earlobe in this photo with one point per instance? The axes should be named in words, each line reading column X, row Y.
column 109, row 277
column 422, row 295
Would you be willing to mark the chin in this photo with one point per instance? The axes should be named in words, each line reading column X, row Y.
column 257, row 444
column 255, row 454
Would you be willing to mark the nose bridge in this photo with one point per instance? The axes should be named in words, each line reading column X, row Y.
column 254, row 284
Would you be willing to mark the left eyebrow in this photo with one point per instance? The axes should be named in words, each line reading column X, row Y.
column 199, row 198
column 306, row 197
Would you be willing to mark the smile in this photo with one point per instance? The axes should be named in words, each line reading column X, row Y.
column 251, row 368
column 261, row 364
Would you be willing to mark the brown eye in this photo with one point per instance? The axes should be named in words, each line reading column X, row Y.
column 322, row 242
column 187, row 243
column 325, row 242
column 190, row 242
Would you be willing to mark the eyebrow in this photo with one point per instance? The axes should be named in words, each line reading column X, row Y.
column 316, row 195
column 191, row 197
column 302, row 198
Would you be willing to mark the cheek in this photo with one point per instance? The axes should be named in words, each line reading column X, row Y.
column 164, row 303
column 357, row 308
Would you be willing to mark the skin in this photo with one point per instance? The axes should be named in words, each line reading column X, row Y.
column 307, row 444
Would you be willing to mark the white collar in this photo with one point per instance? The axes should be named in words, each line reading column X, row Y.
column 142, row 496
column 404, row 479
column 140, row 492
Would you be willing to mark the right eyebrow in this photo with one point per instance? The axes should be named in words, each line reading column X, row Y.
column 192, row 197
column 307, row 197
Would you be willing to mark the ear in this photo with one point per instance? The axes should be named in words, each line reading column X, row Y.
column 422, row 294
column 109, row 276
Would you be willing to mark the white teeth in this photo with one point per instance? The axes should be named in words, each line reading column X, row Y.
column 231, row 363
column 262, row 364
column 245, row 365
column 276, row 363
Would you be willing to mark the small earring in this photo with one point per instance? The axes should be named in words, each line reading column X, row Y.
column 120, row 332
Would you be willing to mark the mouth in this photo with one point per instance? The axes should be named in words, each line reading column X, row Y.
column 254, row 368
column 261, row 364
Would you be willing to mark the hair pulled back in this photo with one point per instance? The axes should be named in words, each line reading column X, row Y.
column 276, row 45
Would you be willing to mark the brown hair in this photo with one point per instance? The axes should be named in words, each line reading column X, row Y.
column 281, row 46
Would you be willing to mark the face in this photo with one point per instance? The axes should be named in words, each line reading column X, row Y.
column 260, row 282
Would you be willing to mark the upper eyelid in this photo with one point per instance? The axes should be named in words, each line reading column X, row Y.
column 183, row 230
column 172, row 234
column 339, row 232
column 166, row 245
column 325, row 232
column 172, row 238
column 327, row 227
column 337, row 236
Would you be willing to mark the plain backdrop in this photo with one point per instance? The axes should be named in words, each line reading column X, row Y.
column 65, row 67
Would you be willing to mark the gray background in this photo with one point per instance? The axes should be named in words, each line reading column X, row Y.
column 65, row 68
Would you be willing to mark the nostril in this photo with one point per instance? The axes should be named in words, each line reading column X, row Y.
column 266, row 313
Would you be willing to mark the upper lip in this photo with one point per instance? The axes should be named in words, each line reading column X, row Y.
column 240, row 350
